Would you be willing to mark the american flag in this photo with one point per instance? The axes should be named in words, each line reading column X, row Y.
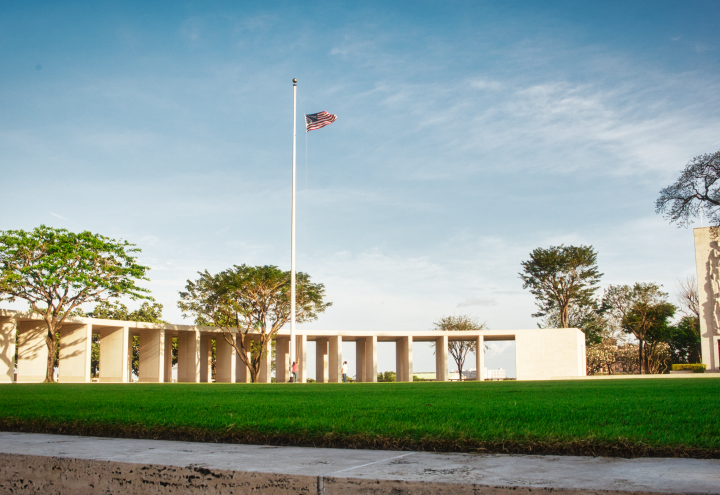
column 318, row 120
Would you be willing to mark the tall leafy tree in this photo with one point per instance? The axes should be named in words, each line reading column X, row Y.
column 147, row 312
column 641, row 310
column 255, row 300
column 697, row 189
column 689, row 305
column 587, row 317
column 559, row 277
column 684, row 341
column 459, row 349
column 56, row 271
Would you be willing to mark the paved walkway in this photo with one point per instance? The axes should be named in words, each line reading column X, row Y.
column 330, row 468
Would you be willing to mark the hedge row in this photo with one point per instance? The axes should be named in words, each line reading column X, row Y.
column 695, row 368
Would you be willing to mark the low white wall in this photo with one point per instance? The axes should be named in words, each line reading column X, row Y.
column 546, row 353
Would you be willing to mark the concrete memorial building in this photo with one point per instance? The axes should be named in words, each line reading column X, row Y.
column 539, row 353
column 707, row 260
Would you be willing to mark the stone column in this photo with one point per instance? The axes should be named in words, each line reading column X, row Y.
column 8, row 332
column 398, row 360
column 360, row 360
column 167, row 360
column 335, row 359
column 265, row 375
column 189, row 356
column 205, row 358
column 74, row 355
column 321, row 361
column 301, row 356
column 371, row 358
column 152, row 356
column 403, row 359
column 225, row 356
column 242, row 374
column 480, row 358
column 114, row 355
column 88, row 353
column 32, row 352
column 441, row 359
column 282, row 366
column 127, row 355
column 130, row 356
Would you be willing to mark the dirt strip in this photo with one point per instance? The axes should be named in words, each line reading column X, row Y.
column 38, row 463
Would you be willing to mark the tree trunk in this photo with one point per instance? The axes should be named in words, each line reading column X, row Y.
column 564, row 318
column 641, row 356
column 459, row 364
column 51, row 344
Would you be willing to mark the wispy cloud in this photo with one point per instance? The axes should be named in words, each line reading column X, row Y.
column 59, row 216
column 477, row 301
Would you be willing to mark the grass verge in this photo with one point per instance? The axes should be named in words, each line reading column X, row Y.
column 628, row 418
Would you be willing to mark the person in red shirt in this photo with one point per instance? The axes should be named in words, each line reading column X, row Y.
column 294, row 370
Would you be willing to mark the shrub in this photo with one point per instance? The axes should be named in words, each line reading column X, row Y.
column 695, row 368
column 388, row 376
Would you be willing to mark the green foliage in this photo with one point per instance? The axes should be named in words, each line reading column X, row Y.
column 387, row 376
column 57, row 271
column 95, row 355
column 49, row 266
column 254, row 299
column 684, row 340
column 560, row 276
column 643, row 311
column 653, row 317
column 695, row 367
column 657, row 413
column 148, row 313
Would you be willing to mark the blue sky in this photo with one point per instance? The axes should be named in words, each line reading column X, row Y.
column 469, row 133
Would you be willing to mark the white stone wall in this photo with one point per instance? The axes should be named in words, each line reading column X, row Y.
column 706, row 261
column 540, row 353
column 544, row 353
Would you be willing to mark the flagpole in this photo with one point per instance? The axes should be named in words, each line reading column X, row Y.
column 292, row 233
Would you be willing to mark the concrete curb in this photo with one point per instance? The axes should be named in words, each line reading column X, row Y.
column 708, row 374
column 30, row 463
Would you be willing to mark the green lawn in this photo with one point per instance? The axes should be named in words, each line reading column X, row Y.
column 605, row 417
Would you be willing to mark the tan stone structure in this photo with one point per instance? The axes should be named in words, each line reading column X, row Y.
column 707, row 261
column 540, row 353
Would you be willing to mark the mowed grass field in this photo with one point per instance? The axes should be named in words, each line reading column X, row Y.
column 650, row 417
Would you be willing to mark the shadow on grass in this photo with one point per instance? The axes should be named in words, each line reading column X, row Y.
column 585, row 447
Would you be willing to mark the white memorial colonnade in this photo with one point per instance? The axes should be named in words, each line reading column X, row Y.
column 540, row 353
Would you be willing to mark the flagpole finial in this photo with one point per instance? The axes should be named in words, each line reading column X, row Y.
column 294, row 81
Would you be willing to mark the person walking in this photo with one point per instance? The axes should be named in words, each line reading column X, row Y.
column 344, row 371
column 294, row 371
